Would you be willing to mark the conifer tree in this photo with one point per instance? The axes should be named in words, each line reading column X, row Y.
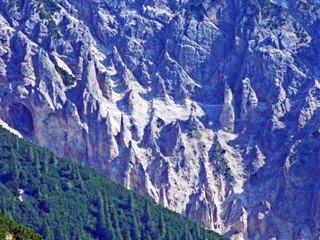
column 126, row 229
column 38, row 166
column 105, row 228
column 186, row 233
column 110, row 230
column 63, row 234
column 162, row 226
column 54, row 159
column 147, row 220
column 79, row 177
column 196, row 232
column 126, row 234
column 74, row 170
column 115, row 221
column 168, row 235
column 131, row 203
column 3, row 205
column 30, row 154
column 136, row 232
column 45, row 160
column 16, row 144
column 15, row 165
column 102, row 224
column 47, row 232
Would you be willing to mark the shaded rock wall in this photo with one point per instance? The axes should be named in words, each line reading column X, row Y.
column 211, row 108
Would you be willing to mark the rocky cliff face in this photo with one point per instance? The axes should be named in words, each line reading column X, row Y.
column 211, row 108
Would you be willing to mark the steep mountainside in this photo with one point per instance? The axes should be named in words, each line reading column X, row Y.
column 211, row 108
column 64, row 200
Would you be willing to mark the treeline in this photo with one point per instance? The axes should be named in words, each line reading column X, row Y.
column 64, row 200
column 9, row 229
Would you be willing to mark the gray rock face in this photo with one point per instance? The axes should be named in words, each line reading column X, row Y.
column 211, row 108
column 227, row 116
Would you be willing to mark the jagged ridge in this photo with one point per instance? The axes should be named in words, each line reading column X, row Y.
column 246, row 72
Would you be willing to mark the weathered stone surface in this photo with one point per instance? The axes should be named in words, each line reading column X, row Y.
column 211, row 108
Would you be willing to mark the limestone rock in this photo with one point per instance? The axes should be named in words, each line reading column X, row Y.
column 210, row 108
column 249, row 101
column 227, row 116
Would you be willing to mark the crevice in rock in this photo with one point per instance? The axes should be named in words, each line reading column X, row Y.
column 19, row 117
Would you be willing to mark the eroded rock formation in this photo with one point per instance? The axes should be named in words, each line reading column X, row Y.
column 211, row 108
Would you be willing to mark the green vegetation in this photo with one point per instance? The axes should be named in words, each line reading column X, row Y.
column 16, row 4
column 65, row 200
column 301, row 34
column 307, row 6
column 304, row 5
column 201, row 146
column 316, row 133
column 274, row 13
column 47, row 8
column 67, row 79
column 196, row 9
column 196, row 134
column 222, row 163
column 11, row 230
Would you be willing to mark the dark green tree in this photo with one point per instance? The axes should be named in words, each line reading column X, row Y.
column 135, row 231
column 47, row 232
column 15, row 165
column 101, row 222
column 105, row 228
column 196, row 231
column 38, row 165
column 17, row 144
column 45, row 162
column 110, row 230
column 53, row 158
column 162, row 226
column 115, row 220
column 131, row 203
column 79, row 177
column 186, row 233
column 126, row 234
column 168, row 235
column 147, row 221
column 62, row 234
column 30, row 156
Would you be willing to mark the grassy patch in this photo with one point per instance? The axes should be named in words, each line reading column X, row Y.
column 16, row 4
column 274, row 13
column 47, row 9
column 222, row 163
column 304, row 5
column 196, row 134
column 301, row 34
column 67, row 78
column 201, row 146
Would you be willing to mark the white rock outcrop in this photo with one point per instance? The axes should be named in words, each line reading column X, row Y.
column 211, row 108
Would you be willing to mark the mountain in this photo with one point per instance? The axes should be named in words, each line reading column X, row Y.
column 64, row 200
column 10, row 230
column 210, row 108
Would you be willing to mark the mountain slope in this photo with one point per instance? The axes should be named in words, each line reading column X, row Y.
column 65, row 200
column 207, row 107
